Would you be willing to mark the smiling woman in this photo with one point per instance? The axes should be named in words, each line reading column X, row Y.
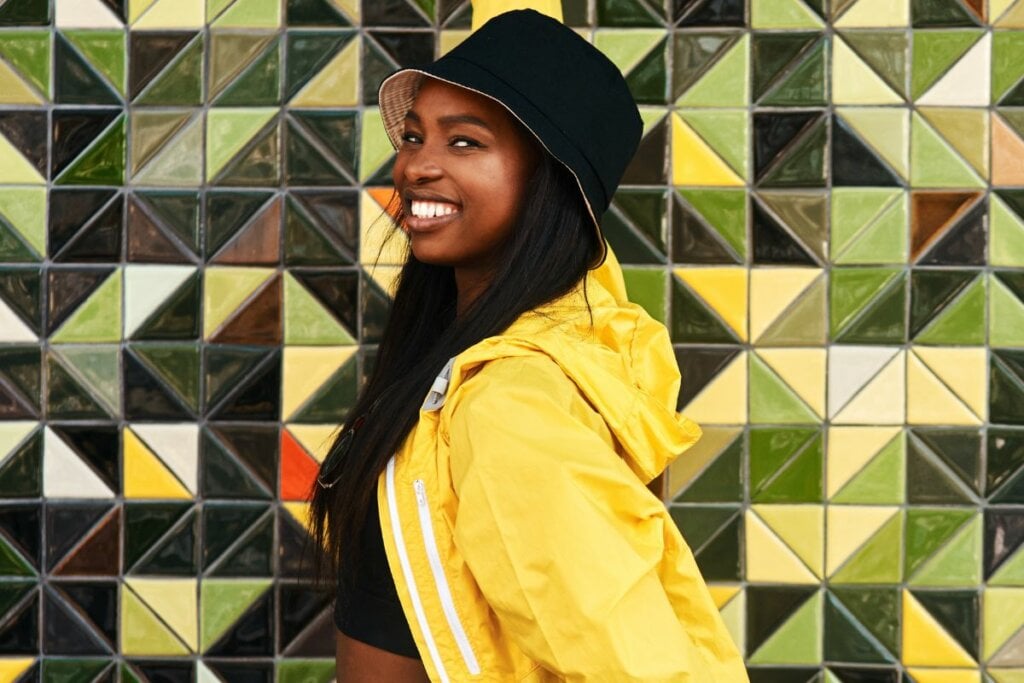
column 462, row 170
column 487, row 509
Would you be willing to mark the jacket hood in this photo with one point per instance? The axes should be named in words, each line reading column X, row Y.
column 623, row 364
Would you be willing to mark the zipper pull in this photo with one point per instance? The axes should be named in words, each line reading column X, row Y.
column 421, row 492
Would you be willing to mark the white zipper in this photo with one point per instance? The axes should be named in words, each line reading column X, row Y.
column 443, row 590
column 410, row 581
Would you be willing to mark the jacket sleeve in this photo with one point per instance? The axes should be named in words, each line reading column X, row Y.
column 562, row 538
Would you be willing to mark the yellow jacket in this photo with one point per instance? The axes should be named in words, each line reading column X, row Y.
column 524, row 543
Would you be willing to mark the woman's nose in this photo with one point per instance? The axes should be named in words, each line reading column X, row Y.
column 422, row 166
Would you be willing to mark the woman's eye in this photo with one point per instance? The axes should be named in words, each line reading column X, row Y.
column 464, row 142
column 410, row 137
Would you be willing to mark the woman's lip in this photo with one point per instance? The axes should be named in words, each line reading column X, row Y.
column 417, row 224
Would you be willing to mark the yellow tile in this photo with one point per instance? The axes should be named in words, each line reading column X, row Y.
column 929, row 401
column 882, row 400
column 14, row 168
column 173, row 600
column 964, row 370
column 734, row 614
column 849, row 527
column 724, row 399
column 336, row 84
column 723, row 593
column 887, row 130
column 850, row 449
column 305, row 370
column 145, row 475
column 11, row 668
column 695, row 163
column 772, row 291
column 966, row 129
column 1003, row 610
column 180, row 14
column 854, row 82
column 925, row 642
column 379, row 241
column 769, row 560
column 15, row 90
column 317, row 439
column 724, row 290
column 801, row 528
column 945, row 675
column 876, row 14
column 136, row 8
column 996, row 8
column 803, row 370
column 1006, row 675
column 143, row 633
column 1012, row 18
column 225, row 289
column 299, row 512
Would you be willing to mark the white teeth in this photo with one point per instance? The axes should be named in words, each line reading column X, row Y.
column 431, row 209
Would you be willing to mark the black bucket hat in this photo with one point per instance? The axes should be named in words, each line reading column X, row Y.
column 563, row 89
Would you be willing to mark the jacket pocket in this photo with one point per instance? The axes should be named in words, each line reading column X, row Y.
column 444, row 592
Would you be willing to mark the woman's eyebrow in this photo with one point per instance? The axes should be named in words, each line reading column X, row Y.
column 451, row 119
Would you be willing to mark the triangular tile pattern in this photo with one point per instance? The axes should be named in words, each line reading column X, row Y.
column 825, row 208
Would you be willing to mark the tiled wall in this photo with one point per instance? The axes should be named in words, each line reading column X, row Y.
column 827, row 210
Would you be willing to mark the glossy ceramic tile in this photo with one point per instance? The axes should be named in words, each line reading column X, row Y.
column 826, row 209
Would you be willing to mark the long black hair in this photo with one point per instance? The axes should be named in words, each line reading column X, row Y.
column 552, row 245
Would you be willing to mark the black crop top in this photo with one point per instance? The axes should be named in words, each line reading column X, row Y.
column 367, row 608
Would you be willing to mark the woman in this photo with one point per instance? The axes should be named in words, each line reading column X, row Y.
column 487, row 508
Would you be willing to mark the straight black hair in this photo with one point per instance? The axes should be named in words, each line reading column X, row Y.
column 551, row 247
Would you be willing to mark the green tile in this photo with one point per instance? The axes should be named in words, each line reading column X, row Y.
column 772, row 401
column 877, row 609
column 868, row 226
column 798, row 640
column 721, row 481
column 1006, row 310
column 928, row 529
column 877, row 561
column 783, row 14
column 725, row 211
column 882, row 481
column 29, row 53
column 958, row 563
column 103, row 163
column 804, row 85
column 105, row 50
column 934, row 163
column 646, row 286
column 694, row 321
column 727, row 131
column 24, row 209
column 1006, row 234
column 786, row 465
column 726, row 83
column 181, row 83
column 98, row 319
column 961, row 322
column 222, row 602
column 99, row 369
column 306, row 671
column 852, row 291
column 934, row 51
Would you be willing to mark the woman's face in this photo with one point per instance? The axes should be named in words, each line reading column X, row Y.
column 461, row 172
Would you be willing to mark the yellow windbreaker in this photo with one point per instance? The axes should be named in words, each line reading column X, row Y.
column 524, row 543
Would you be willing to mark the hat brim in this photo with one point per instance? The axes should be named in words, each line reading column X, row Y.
column 398, row 91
